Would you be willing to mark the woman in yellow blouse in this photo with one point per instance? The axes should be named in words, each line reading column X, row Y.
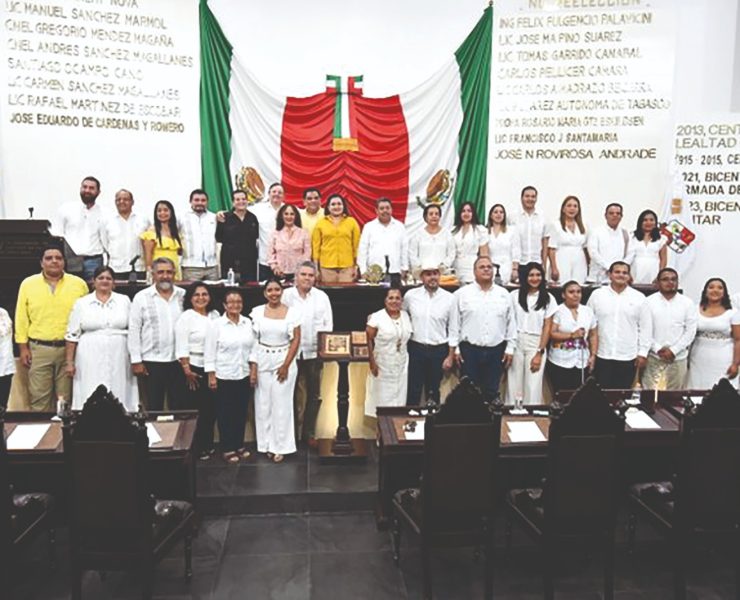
column 163, row 240
column 335, row 240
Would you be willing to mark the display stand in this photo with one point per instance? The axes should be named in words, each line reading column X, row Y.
column 343, row 348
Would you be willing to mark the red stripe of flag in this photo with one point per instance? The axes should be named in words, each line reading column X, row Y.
column 379, row 168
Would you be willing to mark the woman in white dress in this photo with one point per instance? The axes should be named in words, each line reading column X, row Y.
column 647, row 249
column 190, row 340
column 567, row 244
column 7, row 361
column 388, row 332
column 96, row 348
column 471, row 241
column 574, row 340
column 534, row 310
column 715, row 352
column 277, row 328
column 432, row 244
column 503, row 243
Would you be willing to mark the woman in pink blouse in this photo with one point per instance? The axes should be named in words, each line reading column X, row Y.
column 289, row 244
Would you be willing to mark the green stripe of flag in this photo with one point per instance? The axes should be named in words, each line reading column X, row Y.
column 337, row 105
column 215, row 131
column 474, row 62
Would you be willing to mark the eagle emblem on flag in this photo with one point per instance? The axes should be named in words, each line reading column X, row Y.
column 439, row 189
column 248, row 180
column 679, row 236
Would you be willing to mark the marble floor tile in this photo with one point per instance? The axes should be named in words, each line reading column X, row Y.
column 267, row 535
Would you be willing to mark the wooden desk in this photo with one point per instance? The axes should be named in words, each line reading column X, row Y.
column 172, row 469
column 649, row 454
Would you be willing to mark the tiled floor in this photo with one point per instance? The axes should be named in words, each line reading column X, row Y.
column 338, row 556
column 268, row 534
column 300, row 484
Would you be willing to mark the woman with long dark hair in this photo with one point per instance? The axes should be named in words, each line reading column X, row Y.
column 471, row 241
column 715, row 352
column 289, row 245
column 199, row 312
column 567, row 244
column 534, row 307
column 504, row 247
column 647, row 249
column 277, row 328
column 163, row 239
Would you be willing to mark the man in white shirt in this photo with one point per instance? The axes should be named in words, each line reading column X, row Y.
column 120, row 237
column 483, row 328
column 80, row 223
column 311, row 212
column 531, row 229
column 151, row 338
column 266, row 213
column 198, row 231
column 429, row 307
column 672, row 319
column 384, row 242
column 607, row 244
column 316, row 316
column 622, row 328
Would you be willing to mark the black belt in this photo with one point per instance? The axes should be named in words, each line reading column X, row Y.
column 432, row 346
column 52, row 343
column 482, row 347
column 89, row 256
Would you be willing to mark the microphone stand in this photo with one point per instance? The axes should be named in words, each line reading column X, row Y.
column 132, row 274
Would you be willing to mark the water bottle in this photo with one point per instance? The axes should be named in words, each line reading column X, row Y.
column 519, row 403
column 634, row 399
column 230, row 278
column 497, row 278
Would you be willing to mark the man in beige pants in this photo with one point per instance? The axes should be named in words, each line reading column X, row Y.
column 44, row 303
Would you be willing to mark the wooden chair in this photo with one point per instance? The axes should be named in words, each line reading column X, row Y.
column 115, row 522
column 577, row 503
column 454, row 505
column 22, row 517
column 703, row 500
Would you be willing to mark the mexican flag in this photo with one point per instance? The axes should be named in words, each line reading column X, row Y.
column 427, row 144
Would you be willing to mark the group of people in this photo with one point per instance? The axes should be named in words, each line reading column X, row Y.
column 621, row 336
column 177, row 346
column 175, row 343
column 271, row 238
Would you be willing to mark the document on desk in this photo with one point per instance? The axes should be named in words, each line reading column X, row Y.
column 640, row 420
column 521, row 432
column 152, row 434
column 417, row 433
column 26, row 436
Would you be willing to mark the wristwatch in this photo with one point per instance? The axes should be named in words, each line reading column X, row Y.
column 540, row 350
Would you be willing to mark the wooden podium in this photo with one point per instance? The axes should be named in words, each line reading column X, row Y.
column 21, row 242
column 342, row 348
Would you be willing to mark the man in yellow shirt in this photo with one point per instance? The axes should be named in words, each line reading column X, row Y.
column 311, row 211
column 44, row 303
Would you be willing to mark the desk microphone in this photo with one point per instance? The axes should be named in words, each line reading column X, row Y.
column 132, row 274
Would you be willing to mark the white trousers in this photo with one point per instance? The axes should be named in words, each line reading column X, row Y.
column 273, row 403
column 520, row 380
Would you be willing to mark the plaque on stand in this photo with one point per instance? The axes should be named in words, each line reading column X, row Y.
column 342, row 348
